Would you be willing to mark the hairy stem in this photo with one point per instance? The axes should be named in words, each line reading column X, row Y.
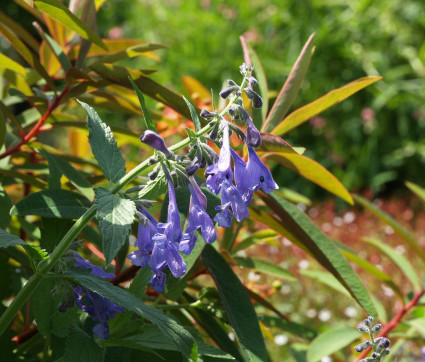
column 47, row 265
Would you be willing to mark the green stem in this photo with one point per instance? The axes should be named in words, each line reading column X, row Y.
column 46, row 350
column 47, row 265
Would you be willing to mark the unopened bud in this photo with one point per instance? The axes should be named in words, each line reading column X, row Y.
column 375, row 355
column 377, row 328
column 192, row 168
column 360, row 347
column 257, row 101
column 155, row 141
column 363, row 328
column 231, row 82
column 227, row 91
column 152, row 175
column 252, row 81
column 384, row 343
column 207, row 114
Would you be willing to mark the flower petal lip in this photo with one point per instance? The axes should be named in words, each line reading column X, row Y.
column 253, row 136
column 155, row 141
column 230, row 194
column 258, row 175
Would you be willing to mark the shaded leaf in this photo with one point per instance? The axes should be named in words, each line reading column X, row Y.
column 80, row 347
column 304, row 113
column 5, row 206
column 387, row 219
column 104, row 146
column 7, row 239
column 115, row 217
column 52, row 203
column 326, row 279
column 61, row 13
column 239, row 308
column 290, row 89
column 177, row 334
column 295, row 328
column 331, row 342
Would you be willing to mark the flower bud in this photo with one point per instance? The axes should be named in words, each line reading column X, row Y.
column 192, row 168
column 367, row 322
column 227, row 91
column 363, row 328
column 360, row 347
column 231, row 82
column 155, row 141
column 387, row 351
column 371, row 319
column 252, row 81
column 257, row 101
column 207, row 114
column 384, row 343
column 377, row 328
column 152, row 161
column 152, row 175
column 375, row 355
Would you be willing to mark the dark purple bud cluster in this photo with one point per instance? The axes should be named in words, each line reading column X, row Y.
column 380, row 345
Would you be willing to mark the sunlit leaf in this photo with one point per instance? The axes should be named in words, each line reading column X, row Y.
column 290, row 89
column 416, row 189
column 61, row 13
column 147, row 117
column 131, row 52
column 301, row 330
column 304, row 113
column 330, row 342
column 265, row 267
column 387, row 219
column 196, row 89
column 7, row 63
column 312, row 171
column 194, row 115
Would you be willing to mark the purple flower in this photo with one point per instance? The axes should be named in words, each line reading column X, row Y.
column 221, row 170
column 258, row 175
column 166, row 241
column 241, row 178
column 224, row 218
column 231, row 195
column 100, row 308
column 158, row 281
column 144, row 241
column 253, row 136
column 80, row 262
column 154, row 140
column 188, row 243
column 198, row 218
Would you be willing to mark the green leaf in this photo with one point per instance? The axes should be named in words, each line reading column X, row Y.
column 115, row 217
column 81, row 347
column 193, row 114
column 297, row 227
column 88, row 17
column 290, row 89
column 104, row 147
column 295, row 328
column 419, row 325
column 387, row 219
column 56, row 164
column 255, row 238
column 7, row 239
column 5, row 206
column 52, row 232
column 154, row 189
column 331, row 342
column 335, row 96
column 140, row 282
column 177, row 334
column 312, row 171
column 45, row 307
column 265, row 267
column 398, row 260
column 2, row 128
column 147, row 117
column 416, row 189
column 326, row 279
column 238, row 306
column 62, row 14
column 52, row 203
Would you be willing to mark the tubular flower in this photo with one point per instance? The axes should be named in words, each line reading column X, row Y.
column 224, row 218
column 144, row 241
column 231, row 195
column 100, row 308
column 258, row 175
column 241, row 178
column 222, row 170
column 155, row 141
column 166, row 242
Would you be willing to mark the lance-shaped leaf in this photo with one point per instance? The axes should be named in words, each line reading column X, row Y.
column 104, row 146
column 82, row 347
column 171, row 329
column 147, row 117
column 265, row 267
column 61, row 13
column 193, row 114
column 416, row 189
column 292, row 223
column 304, row 113
column 400, row 230
column 331, row 342
column 237, row 304
column 312, row 171
column 52, row 203
column 290, row 89
column 115, row 217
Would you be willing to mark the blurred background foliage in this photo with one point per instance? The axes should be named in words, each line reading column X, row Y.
column 374, row 140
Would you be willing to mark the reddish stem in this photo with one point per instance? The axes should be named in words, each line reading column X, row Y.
column 394, row 322
column 127, row 274
column 36, row 129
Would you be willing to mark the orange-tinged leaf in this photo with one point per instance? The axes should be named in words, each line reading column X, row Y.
column 78, row 143
column 48, row 59
column 304, row 113
column 62, row 14
column 7, row 63
column 56, row 29
column 131, row 52
column 196, row 89
column 290, row 89
column 312, row 171
column 110, row 102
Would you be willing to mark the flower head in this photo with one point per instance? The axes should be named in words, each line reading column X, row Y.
column 258, row 175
